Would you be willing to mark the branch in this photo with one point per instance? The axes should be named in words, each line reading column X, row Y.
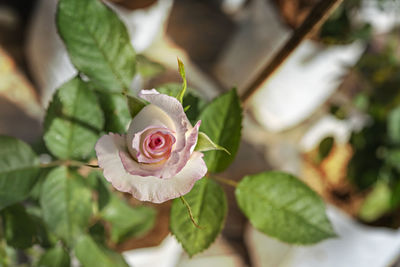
column 317, row 16
column 225, row 181
column 72, row 163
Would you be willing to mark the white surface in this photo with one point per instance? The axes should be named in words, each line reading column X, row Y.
column 330, row 126
column 232, row 6
column 171, row 254
column 165, row 255
column 144, row 24
column 382, row 20
column 356, row 246
column 308, row 77
column 47, row 58
column 325, row 127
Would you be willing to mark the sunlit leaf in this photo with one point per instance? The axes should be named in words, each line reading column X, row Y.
column 209, row 207
column 98, row 43
column 281, row 206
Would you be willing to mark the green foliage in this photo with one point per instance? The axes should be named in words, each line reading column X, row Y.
column 204, row 143
column 7, row 255
column 127, row 221
column 98, row 232
column 340, row 27
column 43, row 236
column 37, row 187
column 325, row 147
column 377, row 203
column 19, row 169
column 364, row 167
column 392, row 158
column 73, row 121
column 209, row 207
column 101, row 186
column 18, row 227
column 97, row 42
column 281, row 206
column 339, row 112
column 135, row 105
column 224, row 129
column 116, row 112
column 66, row 204
column 191, row 99
column 375, row 162
column 55, row 257
column 148, row 68
column 394, row 126
column 91, row 254
column 395, row 196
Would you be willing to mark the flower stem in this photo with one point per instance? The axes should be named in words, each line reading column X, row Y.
column 72, row 163
column 4, row 260
column 190, row 212
column 225, row 181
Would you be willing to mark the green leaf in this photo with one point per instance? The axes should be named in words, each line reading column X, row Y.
column 281, row 206
column 36, row 189
column 43, row 237
column 91, row 254
column 97, row 42
column 392, row 157
column 66, row 203
column 127, row 221
column 182, row 92
column 325, row 147
column 395, row 198
column 361, row 101
column 364, row 168
column 221, row 120
column 8, row 255
column 19, row 169
column 204, row 143
column 73, row 121
column 116, row 112
column 377, row 203
column 339, row 112
column 19, row 227
column 101, row 186
column 55, row 257
column 192, row 99
column 135, row 105
column 209, row 207
column 98, row 232
column 393, row 124
column 148, row 68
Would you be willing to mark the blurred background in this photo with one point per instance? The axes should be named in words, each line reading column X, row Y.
column 329, row 114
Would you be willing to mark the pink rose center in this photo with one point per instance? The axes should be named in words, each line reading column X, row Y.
column 156, row 146
column 156, row 142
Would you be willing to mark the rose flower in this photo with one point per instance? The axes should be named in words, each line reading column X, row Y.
column 155, row 161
